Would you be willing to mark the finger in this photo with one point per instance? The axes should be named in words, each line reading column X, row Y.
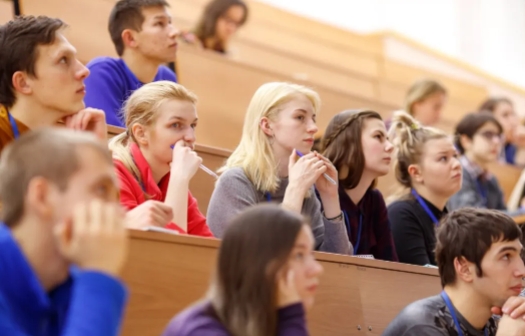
column 519, row 311
column 84, row 121
column 67, row 121
column 293, row 158
column 318, row 165
column 496, row 311
column 511, row 304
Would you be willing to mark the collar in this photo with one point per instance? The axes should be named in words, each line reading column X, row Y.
column 22, row 128
column 473, row 169
column 348, row 204
column 20, row 284
column 151, row 188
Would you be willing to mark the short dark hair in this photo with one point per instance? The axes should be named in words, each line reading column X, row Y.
column 212, row 12
column 492, row 103
column 471, row 123
column 127, row 14
column 19, row 41
column 469, row 233
column 51, row 153
column 342, row 145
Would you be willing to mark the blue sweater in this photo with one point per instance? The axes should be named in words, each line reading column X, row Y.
column 111, row 82
column 88, row 303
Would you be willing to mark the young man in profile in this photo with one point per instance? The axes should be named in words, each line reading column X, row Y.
column 145, row 39
column 60, row 208
column 478, row 253
column 41, row 80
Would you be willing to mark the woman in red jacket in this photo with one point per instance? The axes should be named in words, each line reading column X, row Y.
column 154, row 178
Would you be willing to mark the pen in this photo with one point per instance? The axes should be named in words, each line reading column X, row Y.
column 204, row 168
column 328, row 178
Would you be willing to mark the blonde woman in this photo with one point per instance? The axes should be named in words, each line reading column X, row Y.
column 424, row 101
column 268, row 166
column 429, row 170
column 154, row 178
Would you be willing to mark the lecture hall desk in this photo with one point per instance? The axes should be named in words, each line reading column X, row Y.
column 165, row 273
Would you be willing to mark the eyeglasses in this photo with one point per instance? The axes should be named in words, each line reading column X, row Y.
column 489, row 135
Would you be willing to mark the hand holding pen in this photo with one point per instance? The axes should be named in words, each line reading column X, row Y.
column 201, row 166
column 326, row 176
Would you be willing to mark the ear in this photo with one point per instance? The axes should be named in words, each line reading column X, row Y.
column 415, row 173
column 140, row 134
column 129, row 38
column 266, row 127
column 41, row 198
column 465, row 141
column 22, row 83
column 465, row 270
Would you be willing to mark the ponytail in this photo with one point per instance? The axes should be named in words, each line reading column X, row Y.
column 120, row 149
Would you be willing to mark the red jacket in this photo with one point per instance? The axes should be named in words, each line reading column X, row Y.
column 131, row 193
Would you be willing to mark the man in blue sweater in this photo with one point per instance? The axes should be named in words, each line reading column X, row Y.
column 62, row 237
column 144, row 39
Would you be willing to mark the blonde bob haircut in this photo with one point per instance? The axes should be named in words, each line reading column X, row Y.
column 421, row 90
column 141, row 108
column 254, row 153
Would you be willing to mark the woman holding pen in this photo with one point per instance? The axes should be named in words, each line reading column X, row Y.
column 267, row 166
column 155, row 161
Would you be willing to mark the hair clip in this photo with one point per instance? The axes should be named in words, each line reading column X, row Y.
column 414, row 126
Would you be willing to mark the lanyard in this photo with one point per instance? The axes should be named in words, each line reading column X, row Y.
column 425, row 207
column 14, row 126
column 268, row 196
column 452, row 311
column 482, row 191
column 349, row 228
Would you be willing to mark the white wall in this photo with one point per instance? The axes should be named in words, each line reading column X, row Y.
column 489, row 34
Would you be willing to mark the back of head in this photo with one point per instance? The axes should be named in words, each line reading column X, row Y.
column 492, row 103
column 409, row 137
column 127, row 14
column 470, row 124
column 254, row 153
column 342, row 145
column 207, row 23
column 141, row 108
column 469, row 233
column 51, row 153
column 255, row 247
column 19, row 41
column 421, row 90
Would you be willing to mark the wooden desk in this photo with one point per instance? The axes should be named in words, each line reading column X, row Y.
column 166, row 273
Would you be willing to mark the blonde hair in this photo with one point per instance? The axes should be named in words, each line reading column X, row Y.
column 254, row 153
column 141, row 108
column 409, row 137
column 420, row 91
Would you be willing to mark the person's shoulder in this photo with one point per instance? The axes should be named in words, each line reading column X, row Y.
column 234, row 173
column 165, row 73
column 401, row 205
column 418, row 314
column 105, row 62
column 198, row 318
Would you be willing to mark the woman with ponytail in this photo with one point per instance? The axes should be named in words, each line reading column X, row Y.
column 356, row 143
column 155, row 161
column 429, row 170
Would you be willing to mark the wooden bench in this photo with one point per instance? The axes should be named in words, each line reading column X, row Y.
column 167, row 273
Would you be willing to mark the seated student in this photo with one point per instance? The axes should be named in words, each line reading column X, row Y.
column 356, row 143
column 36, row 63
column 218, row 23
column 266, row 167
column 514, row 147
column 428, row 166
column 481, row 270
column 272, row 249
column 60, row 209
column 154, row 178
column 144, row 39
column 479, row 137
column 424, row 101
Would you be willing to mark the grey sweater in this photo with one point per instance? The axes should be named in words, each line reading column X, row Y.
column 234, row 192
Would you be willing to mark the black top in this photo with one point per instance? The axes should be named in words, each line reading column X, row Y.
column 413, row 231
column 430, row 317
